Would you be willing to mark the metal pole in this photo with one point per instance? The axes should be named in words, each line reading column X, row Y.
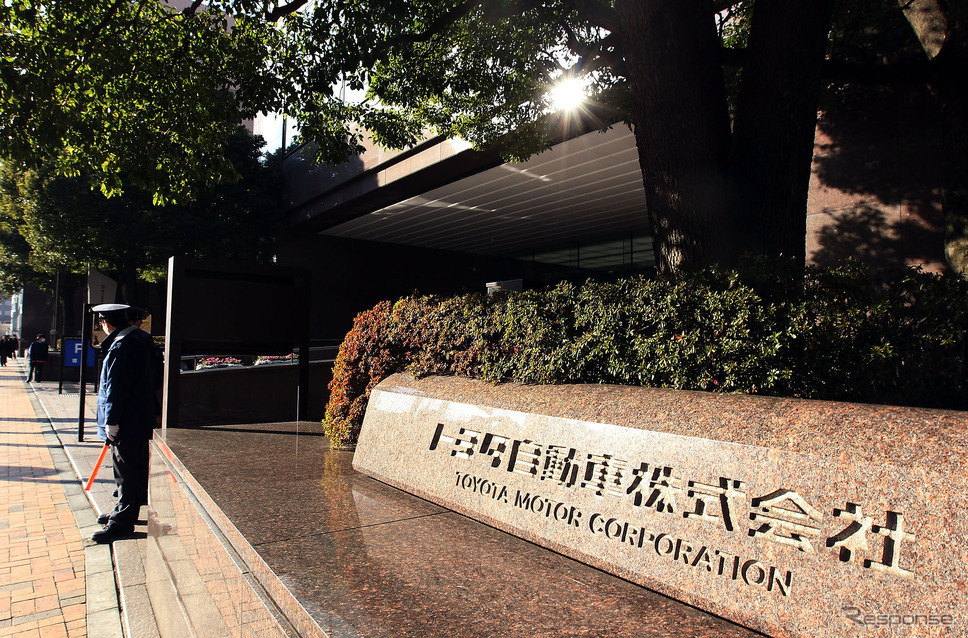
column 60, row 371
column 53, row 329
column 86, row 330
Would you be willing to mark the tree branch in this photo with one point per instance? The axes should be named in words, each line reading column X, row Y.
column 597, row 13
column 193, row 9
column 592, row 59
column 449, row 18
column 95, row 39
column 107, row 18
column 723, row 5
column 284, row 10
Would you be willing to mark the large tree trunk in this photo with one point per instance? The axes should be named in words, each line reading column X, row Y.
column 776, row 116
column 681, row 127
column 954, row 103
column 942, row 28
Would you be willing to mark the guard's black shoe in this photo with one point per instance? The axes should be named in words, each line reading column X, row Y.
column 103, row 519
column 112, row 532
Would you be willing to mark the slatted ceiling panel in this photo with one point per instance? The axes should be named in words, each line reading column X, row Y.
column 573, row 192
column 503, row 193
column 523, row 233
column 521, row 189
column 604, row 214
column 584, row 188
column 568, row 205
column 496, row 189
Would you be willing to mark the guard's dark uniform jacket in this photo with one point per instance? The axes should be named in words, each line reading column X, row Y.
column 126, row 394
column 126, row 399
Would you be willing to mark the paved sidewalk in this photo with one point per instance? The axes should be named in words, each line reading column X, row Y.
column 53, row 580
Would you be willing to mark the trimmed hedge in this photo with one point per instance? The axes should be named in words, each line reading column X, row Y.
column 837, row 333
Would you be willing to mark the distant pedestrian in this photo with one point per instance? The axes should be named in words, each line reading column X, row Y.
column 125, row 415
column 37, row 357
column 6, row 346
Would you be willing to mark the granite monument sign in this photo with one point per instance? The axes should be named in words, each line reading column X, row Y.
column 794, row 518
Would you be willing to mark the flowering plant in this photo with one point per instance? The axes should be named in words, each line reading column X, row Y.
column 289, row 358
column 218, row 362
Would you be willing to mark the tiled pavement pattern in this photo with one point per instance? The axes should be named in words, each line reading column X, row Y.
column 53, row 581
column 215, row 595
column 117, row 595
column 41, row 550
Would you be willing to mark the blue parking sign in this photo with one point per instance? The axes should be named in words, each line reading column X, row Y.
column 72, row 354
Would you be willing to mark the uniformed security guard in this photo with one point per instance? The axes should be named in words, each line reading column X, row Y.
column 126, row 412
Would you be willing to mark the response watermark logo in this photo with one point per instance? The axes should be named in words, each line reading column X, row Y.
column 860, row 617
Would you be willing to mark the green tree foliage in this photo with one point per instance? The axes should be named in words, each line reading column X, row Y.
column 50, row 223
column 114, row 87
column 15, row 271
column 127, row 91
column 836, row 334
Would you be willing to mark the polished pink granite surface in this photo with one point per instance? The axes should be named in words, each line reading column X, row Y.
column 195, row 584
column 795, row 518
column 343, row 555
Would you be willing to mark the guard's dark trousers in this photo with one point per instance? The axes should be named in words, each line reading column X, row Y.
column 131, row 476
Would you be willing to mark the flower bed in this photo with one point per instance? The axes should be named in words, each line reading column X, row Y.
column 268, row 360
column 218, row 362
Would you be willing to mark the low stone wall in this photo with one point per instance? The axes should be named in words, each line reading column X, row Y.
column 794, row 518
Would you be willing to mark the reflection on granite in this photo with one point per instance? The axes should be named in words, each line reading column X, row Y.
column 194, row 585
column 367, row 560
